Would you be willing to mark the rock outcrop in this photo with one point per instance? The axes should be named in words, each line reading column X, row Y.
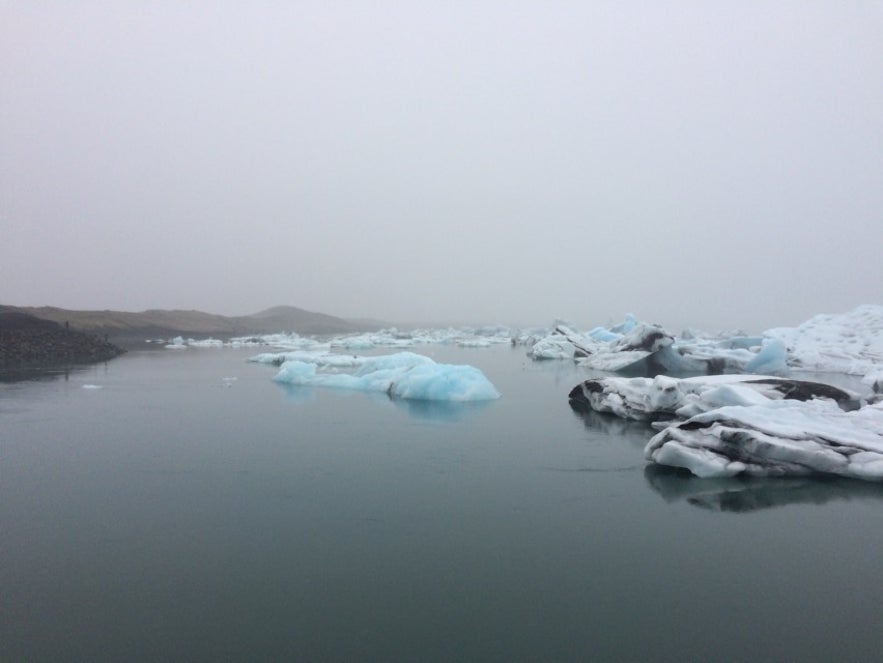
column 27, row 341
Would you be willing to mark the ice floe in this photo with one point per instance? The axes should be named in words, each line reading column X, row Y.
column 666, row 398
column 723, row 426
column 777, row 438
column 404, row 375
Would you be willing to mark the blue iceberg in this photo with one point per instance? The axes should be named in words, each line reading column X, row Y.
column 403, row 375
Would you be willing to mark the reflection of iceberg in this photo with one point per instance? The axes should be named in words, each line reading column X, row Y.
column 297, row 394
column 402, row 375
column 610, row 424
column 738, row 494
column 440, row 411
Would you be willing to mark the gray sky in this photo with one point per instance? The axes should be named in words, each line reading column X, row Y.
column 710, row 164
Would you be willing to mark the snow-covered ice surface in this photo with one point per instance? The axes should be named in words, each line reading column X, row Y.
column 404, row 375
column 846, row 343
column 666, row 398
column 642, row 348
column 842, row 343
column 723, row 426
column 778, row 438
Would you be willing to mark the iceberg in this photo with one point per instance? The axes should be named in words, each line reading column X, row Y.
column 843, row 343
column 734, row 425
column 849, row 343
column 667, row 398
column 640, row 348
column 404, row 375
column 777, row 438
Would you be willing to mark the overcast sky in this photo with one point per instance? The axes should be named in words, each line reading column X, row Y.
column 710, row 164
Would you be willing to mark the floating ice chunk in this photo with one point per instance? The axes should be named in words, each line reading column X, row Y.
column 176, row 343
column 662, row 397
column 563, row 343
column 401, row 375
column 771, row 358
column 777, row 438
column 443, row 382
column 636, row 348
column 552, row 347
column 318, row 357
column 91, row 386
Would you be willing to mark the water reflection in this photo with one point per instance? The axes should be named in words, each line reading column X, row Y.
column 610, row 424
column 43, row 373
column 298, row 394
column 741, row 495
column 440, row 411
column 427, row 411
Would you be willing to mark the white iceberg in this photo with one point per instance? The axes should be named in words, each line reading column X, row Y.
column 176, row 343
column 843, row 343
column 646, row 349
column 721, row 426
column 403, row 375
column 666, row 398
column 777, row 438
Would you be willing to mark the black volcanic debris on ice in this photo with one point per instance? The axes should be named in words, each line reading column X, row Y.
column 28, row 341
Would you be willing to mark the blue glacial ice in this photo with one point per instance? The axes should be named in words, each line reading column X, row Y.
column 403, row 375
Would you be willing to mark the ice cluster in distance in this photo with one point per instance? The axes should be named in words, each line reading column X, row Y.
column 401, row 375
column 643, row 348
column 845, row 343
column 842, row 343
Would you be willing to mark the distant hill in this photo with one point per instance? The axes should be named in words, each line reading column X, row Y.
column 29, row 341
column 160, row 323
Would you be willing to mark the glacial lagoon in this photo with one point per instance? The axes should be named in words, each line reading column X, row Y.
column 181, row 505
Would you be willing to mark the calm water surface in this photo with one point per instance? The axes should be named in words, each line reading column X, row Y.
column 173, row 515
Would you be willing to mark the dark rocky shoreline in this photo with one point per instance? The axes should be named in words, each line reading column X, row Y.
column 30, row 342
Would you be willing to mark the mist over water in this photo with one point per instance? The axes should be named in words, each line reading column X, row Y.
column 697, row 165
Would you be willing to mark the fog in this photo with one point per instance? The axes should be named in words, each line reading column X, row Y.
column 718, row 165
